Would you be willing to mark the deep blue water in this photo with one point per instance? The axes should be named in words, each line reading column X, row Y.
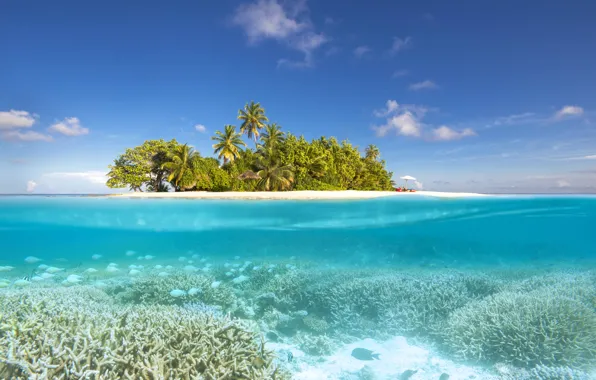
column 397, row 231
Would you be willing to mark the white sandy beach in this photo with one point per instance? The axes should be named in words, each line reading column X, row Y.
column 296, row 195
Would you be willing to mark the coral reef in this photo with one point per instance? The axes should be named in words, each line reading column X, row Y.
column 77, row 332
column 540, row 372
column 360, row 302
column 542, row 327
column 319, row 345
column 315, row 324
column 156, row 290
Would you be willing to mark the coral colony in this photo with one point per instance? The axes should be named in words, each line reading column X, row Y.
column 277, row 318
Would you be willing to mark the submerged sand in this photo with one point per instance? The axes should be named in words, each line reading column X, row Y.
column 296, row 195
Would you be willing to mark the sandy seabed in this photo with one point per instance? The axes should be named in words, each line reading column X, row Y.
column 296, row 195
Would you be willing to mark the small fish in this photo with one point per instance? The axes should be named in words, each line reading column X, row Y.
column 258, row 362
column 364, row 354
column 444, row 376
column 32, row 259
column 96, row 257
column 290, row 356
column 407, row 374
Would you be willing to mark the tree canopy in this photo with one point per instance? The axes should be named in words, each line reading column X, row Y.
column 280, row 162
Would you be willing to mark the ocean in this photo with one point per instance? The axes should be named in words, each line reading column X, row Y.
column 499, row 287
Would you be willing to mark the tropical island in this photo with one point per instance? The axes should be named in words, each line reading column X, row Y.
column 280, row 161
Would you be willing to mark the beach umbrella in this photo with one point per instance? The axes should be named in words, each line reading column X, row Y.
column 408, row 178
column 249, row 174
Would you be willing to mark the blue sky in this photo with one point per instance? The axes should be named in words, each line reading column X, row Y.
column 488, row 97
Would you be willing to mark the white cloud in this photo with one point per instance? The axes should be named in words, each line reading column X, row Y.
column 25, row 136
column 361, row 50
column 329, row 21
column 424, row 85
column 71, row 126
column 266, row 19
column 405, row 124
column 399, row 73
column 568, row 111
column 589, row 157
column 444, row 133
column 513, row 119
column 419, row 185
column 16, row 119
column 93, row 176
column 400, row 44
column 563, row 183
column 284, row 22
column 390, row 107
column 200, row 128
column 406, row 120
column 31, row 185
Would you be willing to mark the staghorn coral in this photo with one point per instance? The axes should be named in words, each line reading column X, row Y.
column 543, row 327
column 156, row 290
column 319, row 345
column 77, row 333
column 360, row 302
column 365, row 301
column 315, row 324
column 540, row 372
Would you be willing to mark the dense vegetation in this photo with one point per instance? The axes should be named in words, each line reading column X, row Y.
column 279, row 162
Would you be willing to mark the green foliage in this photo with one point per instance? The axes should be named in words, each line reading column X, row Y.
column 228, row 144
column 253, row 119
column 274, row 175
column 183, row 167
column 282, row 160
column 140, row 168
column 541, row 327
column 273, row 136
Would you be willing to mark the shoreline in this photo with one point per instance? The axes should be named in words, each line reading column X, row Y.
column 295, row 195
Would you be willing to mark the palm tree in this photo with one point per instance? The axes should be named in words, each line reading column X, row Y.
column 228, row 144
column 316, row 163
column 253, row 118
column 273, row 136
column 274, row 175
column 372, row 152
column 180, row 161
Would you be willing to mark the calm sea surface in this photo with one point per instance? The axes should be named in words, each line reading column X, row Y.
column 505, row 230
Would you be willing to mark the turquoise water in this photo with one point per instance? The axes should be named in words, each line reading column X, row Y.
column 500, row 287
column 451, row 232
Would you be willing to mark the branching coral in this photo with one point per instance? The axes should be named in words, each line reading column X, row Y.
column 77, row 333
column 315, row 324
column 540, row 372
column 397, row 301
column 316, row 344
column 541, row 327
column 156, row 290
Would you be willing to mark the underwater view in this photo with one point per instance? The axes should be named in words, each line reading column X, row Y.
column 496, row 287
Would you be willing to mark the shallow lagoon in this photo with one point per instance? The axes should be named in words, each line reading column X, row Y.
column 496, row 287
